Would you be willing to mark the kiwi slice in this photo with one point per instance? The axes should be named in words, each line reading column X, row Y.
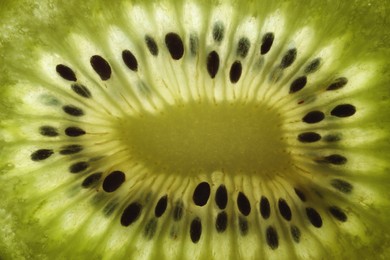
column 194, row 129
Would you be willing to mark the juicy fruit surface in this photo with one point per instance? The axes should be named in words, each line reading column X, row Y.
column 194, row 129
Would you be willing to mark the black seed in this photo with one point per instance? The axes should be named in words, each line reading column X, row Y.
column 295, row 233
column 130, row 60
column 72, row 110
column 91, row 180
column 178, row 211
column 344, row 110
column 243, row 47
column 71, row 149
column 81, row 90
column 313, row 66
column 313, row 117
column 314, row 217
column 288, row 58
column 272, row 237
column 41, row 154
column 221, row 197
column 152, row 45
column 150, row 228
column 300, row 194
column 174, row 45
column 243, row 204
column 284, row 209
column 74, row 131
column 338, row 213
column 161, row 206
column 194, row 42
column 212, row 64
column 201, row 194
column 267, row 42
column 218, row 31
column 243, row 225
column 342, row 185
column 298, row 84
column 335, row 159
column 265, row 209
column 235, row 72
column 48, row 131
column 332, row 138
column 196, row 230
column 101, row 67
column 338, row 83
column 309, row 137
column 221, row 222
column 78, row 167
column 65, row 72
column 131, row 214
column 113, row 181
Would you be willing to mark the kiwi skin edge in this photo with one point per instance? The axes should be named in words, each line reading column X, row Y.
column 34, row 225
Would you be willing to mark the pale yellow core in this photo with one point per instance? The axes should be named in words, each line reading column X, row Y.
column 194, row 138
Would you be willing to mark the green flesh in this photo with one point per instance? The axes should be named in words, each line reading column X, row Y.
column 170, row 126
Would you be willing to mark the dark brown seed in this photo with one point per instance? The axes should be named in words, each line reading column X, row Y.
column 213, row 64
column 300, row 194
column 65, row 72
column 74, row 131
column 221, row 222
column 344, row 110
column 288, row 58
column 313, row 117
column 91, row 180
column 267, row 42
column 298, row 84
column 131, row 214
column 48, row 131
column 284, row 209
column 314, row 217
column 313, row 66
column 152, row 45
column 73, row 110
column 309, row 137
column 196, row 230
column 338, row 213
column 78, row 167
column 265, row 208
column 243, row 204
column 201, row 194
column 235, row 72
column 101, row 67
column 113, row 181
column 41, row 154
column 161, row 206
column 221, row 197
column 130, row 60
column 81, row 90
column 174, row 45
column 272, row 237
column 338, row 83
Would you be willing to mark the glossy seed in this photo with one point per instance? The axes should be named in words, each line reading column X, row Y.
column 309, row 137
column 338, row 213
column 91, row 180
column 221, row 197
column 113, row 181
column 243, row 225
column 73, row 110
column 313, row 66
column 81, row 90
column 284, row 209
column 71, row 149
column 338, row 83
column 295, row 233
column 178, row 211
column 235, row 72
column 152, row 45
column 201, row 194
column 131, row 214
column 213, row 64
column 41, row 154
column 272, row 237
column 78, row 167
column 314, row 217
column 313, row 117
column 161, row 206
column 243, row 204
column 298, row 84
column 341, row 185
column 48, row 131
column 101, row 67
column 243, row 47
column 174, row 45
column 65, row 72
column 267, row 42
column 335, row 159
column 130, row 60
column 345, row 110
column 74, row 131
column 288, row 58
column 265, row 208
column 195, row 230
column 218, row 31
column 300, row 194
column 150, row 228
column 221, row 222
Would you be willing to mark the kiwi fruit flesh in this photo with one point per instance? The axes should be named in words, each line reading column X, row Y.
column 194, row 129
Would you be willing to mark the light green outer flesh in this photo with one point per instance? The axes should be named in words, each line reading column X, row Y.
column 28, row 25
